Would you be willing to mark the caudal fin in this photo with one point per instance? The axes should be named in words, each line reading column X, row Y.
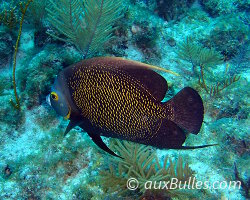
column 187, row 110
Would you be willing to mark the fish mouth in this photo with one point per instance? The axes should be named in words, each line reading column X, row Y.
column 48, row 99
column 68, row 115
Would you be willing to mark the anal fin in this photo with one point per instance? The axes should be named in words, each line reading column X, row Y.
column 169, row 136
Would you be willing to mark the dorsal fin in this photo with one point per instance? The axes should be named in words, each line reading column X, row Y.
column 153, row 81
column 142, row 65
column 144, row 73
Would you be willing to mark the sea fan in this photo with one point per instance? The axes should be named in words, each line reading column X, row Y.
column 87, row 24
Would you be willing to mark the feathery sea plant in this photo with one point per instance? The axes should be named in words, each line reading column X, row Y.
column 37, row 13
column 142, row 163
column 203, row 58
column 197, row 55
column 9, row 18
column 87, row 24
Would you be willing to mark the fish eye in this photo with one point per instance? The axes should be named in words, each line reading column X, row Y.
column 54, row 96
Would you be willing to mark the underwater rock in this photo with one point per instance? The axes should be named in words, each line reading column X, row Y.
column 135, row 29
column 9, row 116
column 157, row 195
column 37, row 77
column 144, row 36
column 6, row 48
column 228, row 35
column 27, row 41
column 41, row 38
column 7, row 171
column 220, row 7
column 172, row 10
column 36, row 14
column 240, row 61
column 171, row 41
column 118, row 45
column 149, row 4
column 245, row 183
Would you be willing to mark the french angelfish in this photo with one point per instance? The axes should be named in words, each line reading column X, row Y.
column 119, row 98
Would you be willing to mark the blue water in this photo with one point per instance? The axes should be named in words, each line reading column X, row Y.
column 204, row 44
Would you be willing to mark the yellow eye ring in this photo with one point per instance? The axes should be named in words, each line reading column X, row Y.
column 54, row 96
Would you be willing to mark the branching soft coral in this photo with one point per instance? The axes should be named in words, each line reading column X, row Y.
column 9, row 18
column 140, row 162
column 87, row 24
column 198, row 55
column 202, row 58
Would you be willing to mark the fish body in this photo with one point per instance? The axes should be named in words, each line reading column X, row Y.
column 119, row 98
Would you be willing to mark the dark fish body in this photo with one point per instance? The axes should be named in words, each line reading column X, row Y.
column 115, row 102
column 119, row 98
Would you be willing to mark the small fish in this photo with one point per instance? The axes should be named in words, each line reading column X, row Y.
column 119, row 98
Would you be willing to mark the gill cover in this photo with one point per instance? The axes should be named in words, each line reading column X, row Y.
column 57, row 98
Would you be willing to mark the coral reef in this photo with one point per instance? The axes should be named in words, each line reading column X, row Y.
column 205, row 41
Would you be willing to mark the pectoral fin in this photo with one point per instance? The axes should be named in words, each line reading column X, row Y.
column 98, row 141
column 72, row 124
